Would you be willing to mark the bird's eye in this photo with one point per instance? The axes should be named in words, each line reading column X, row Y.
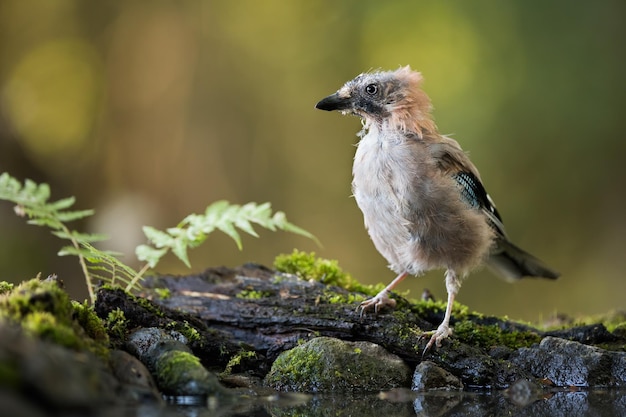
column 371, row 89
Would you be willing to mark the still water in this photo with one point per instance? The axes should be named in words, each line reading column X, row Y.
column 597, row 403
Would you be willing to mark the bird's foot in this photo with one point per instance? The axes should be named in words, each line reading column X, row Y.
column 436, row 336
column 378, row 302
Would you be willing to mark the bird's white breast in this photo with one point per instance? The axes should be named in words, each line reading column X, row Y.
column 412, row 210
column 385, row 175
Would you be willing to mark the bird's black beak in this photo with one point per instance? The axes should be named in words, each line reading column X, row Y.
column 334, row 102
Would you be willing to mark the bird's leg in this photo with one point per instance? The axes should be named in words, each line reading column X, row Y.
column 382, row 298
column 444, row 330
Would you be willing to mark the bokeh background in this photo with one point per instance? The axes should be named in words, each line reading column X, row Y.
column 150, row 110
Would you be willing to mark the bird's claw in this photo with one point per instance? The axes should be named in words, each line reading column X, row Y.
column 436, row 336
column 381, row 300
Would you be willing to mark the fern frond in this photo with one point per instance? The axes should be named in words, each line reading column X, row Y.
column 100, row 266
column 31, row 201
column 221, row 215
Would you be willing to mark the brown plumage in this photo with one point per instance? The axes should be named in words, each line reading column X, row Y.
column 422, row 199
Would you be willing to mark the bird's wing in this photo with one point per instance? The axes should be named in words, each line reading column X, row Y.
column 454, row 162
column 473, row 192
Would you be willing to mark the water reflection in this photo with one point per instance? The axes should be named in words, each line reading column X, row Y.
column 407, row 403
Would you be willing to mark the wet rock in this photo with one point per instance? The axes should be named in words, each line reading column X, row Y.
column 14, row 405
column 620, row 331
column 52, row 377
column 138, row 384
column 181, row 373
column 327, row 364
column 177, row 371
column 475, row 368
column 500, row 352
column 148, row 344
column 593, row 333
column 428, row 376
column 567, row 363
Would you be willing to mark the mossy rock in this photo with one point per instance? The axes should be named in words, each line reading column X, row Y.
column 326, row 364
column 42, row 308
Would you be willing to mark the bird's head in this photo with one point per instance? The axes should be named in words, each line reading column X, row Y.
column 392, row 97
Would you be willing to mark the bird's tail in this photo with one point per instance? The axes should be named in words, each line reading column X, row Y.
column 513, row 263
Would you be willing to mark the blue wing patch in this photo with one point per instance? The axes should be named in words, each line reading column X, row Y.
column 474, row 194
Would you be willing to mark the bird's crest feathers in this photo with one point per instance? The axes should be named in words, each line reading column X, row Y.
column 413, row 112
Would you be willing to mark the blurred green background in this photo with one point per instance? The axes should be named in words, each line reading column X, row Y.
column 150, row 110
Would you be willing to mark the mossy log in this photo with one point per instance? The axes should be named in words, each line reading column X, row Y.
column 253, row 308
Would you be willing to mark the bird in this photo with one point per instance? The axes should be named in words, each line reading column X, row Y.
column 423, row 201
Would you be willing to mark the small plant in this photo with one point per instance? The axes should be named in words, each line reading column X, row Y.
column 116, row 323
column 221, row 215
column 236, row 360
column 32, row 201
column 327, row 271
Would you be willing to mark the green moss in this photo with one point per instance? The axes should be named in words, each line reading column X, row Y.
column 44, row 309
column 301, row 365
column 148, row 305
column 117, row 324
column 253, row 295
column 36, row 296
column 308, row 267
column 180, row 361
column 235, row 360
column 612, row 320
column 173, row 366
column 330, row 365
column 180, row 372
column 5, row 287
column 186, row 329
column 332, row 297
column 163, row 293
column 620, row 330
column 190, row 332
column 45, row 325
column 89, row 320
column 490, row 336
column 424, row 308
column 408, row 334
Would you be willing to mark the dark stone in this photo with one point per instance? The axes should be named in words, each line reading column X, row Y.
column 148, row 344
column 571, row 364
column 53, row 377
column 475, row 368
column 177, row 371
column 590, row 334
column 138, row 383
column 500, row 352
column 428, row 377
